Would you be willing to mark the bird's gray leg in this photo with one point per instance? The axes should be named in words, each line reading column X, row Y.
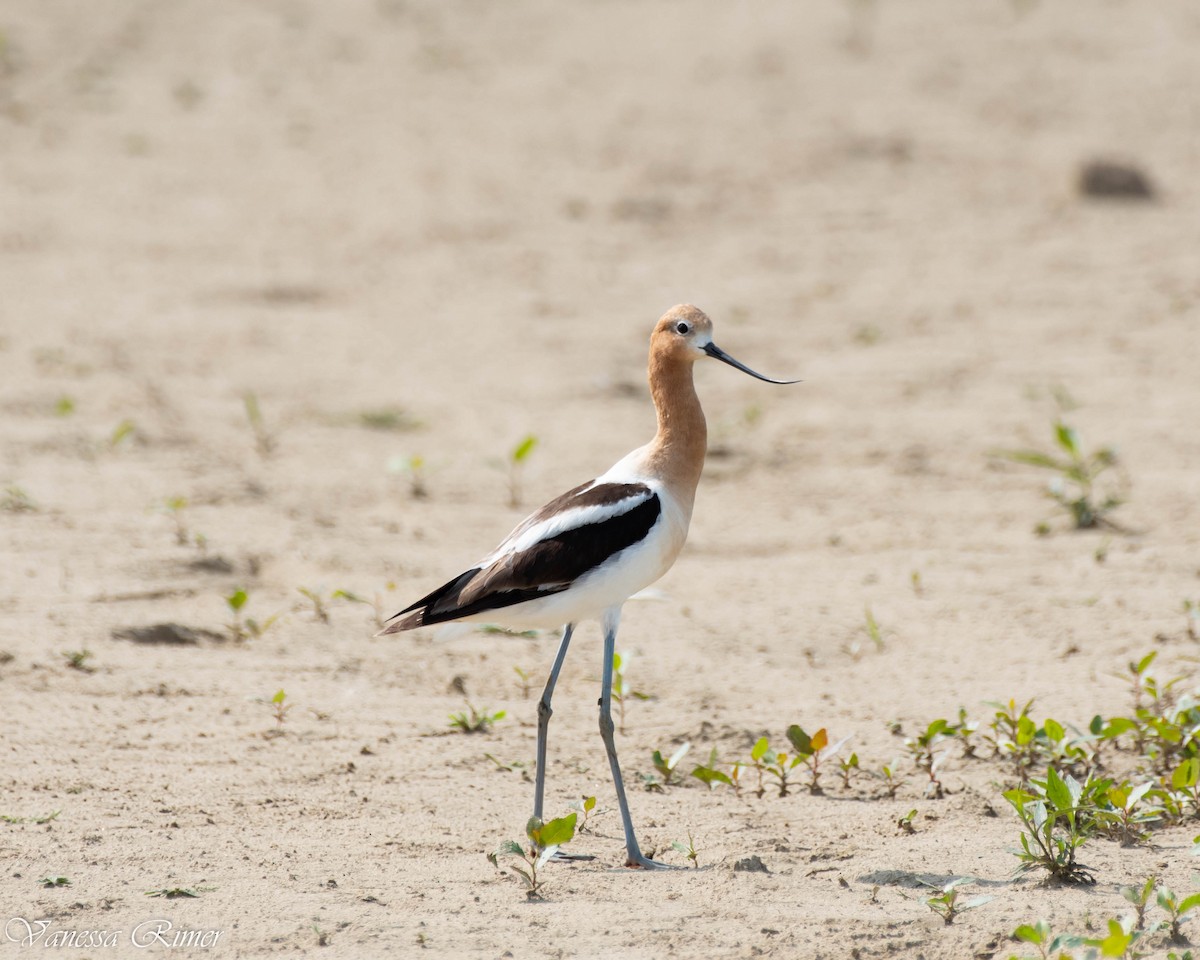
column 544, row 713
column 634, row 856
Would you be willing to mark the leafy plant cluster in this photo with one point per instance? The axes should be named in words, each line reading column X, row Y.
column 1123, row 938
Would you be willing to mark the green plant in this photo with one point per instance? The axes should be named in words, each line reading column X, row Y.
column 64, row 406
column 544, row 841
column 905, row 823
column 121, row 432
column 584, row 806
column 526, row 682
column 1177, row 910
column 475, row 721
column 279, row 708
column 872, row 628
column 925, row 756
column 1040, row 935
column 846, row 767
column 1140, row 896
column 1058, row 815
column 78, row 660
column 54, row 881
column 666, row 766
column 414, row 468
column 16, row 500
column 891, row 779
column 1191, row 610
column 174, row 508
column 811, row 751
column 688, row 849
column 1129, row 816
column 264, row 442
column 38, row 820
column 945, row 903
column 320, row 600
column 1075, row 488
column 516, row 467
column 239, row 628
column 621, row 689
column 709, row 775
column 177, row 893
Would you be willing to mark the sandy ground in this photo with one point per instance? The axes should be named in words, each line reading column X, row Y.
column 464, row 218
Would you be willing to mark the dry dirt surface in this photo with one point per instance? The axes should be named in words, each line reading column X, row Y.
column 410, row 234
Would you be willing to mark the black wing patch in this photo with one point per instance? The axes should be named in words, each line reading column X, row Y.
column 548, row 567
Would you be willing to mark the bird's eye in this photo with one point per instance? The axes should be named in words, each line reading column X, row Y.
column 682, row 327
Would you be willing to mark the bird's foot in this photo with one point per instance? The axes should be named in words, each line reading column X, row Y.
column 640, row 862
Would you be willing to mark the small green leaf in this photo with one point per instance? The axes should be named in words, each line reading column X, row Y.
column 509, row 848
column 589, row 804
column 800, row 740
column 524, row 448
column 1035, row 933
column 760, row 748
column 558, row 832
column 237, row 599
column 710, row 776
column 1186, row 774
column 1057, row 791
column 1189, row 904
column 279, row 697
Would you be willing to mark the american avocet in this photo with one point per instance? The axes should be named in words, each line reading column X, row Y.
column 581, row 556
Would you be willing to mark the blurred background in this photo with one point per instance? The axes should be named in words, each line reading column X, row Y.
column 473, row 213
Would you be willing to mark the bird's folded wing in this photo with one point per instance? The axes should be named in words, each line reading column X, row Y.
column 548, row 552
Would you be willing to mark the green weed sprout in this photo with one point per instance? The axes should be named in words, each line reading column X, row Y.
column 1140, row 898
column 1177, row 910
column 55, row 881
column 78, row 660
column 584, row 806
column 667, row 766
column 475, row 721
column 175, row 507
column 526, row 681
column 688, row 849
column 121, row 432
column 279, row 708
column 544, row 841
column 239, row 628
column 891, row 778
column 872, row 628
column 1058, row 816
column 622, row 690
column 320, row 600
column 16, row 500
column 1119, row 942
column 516, row 468
column 1041, row 936
column 1129, row 816
column 811, row 751
column 264, row 442
column 925, row 756
column 414, row 467
column 1191, row 610
column 1074, row 488
column 710, row 776
column 946, row 903
column 847, row 767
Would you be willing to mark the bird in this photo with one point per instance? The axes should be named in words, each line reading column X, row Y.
column 583, row 554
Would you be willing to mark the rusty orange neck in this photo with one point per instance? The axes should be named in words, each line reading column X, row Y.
column 677, row 451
